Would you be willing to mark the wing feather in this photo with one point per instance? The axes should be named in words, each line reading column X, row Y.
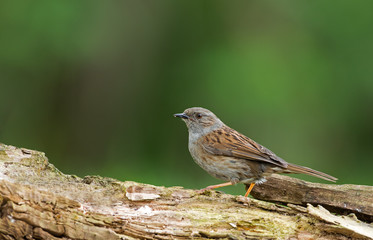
column 228, row 142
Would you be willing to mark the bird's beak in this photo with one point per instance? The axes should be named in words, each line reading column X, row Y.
column 181, row 115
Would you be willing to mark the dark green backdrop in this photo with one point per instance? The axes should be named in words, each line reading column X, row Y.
column 94, row 84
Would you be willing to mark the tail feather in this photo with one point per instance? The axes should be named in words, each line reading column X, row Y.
column 300, row 169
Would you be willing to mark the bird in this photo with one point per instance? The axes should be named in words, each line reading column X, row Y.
column 231, row 156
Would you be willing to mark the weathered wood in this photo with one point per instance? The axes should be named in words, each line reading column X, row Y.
column 40, row 202
column 342, row 199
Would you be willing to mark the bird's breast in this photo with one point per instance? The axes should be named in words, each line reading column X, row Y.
column 221, row 167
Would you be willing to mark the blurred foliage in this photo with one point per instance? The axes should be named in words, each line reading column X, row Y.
column 94, row 84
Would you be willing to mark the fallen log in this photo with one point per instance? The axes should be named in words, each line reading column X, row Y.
column 40, row 202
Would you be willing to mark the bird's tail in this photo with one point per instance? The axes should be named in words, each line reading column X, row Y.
column 300, row 169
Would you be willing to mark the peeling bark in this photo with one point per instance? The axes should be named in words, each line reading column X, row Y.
column 40, row 202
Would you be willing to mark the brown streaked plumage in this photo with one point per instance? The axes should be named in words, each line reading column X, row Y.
column 230, row 156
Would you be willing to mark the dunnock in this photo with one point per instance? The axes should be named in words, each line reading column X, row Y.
column 230, row 156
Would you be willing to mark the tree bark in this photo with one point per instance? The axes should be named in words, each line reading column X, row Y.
column 40, row 202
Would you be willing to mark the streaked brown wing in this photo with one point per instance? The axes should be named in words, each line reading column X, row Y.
column 228, row 142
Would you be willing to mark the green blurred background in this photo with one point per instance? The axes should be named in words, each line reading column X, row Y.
column 94, row 84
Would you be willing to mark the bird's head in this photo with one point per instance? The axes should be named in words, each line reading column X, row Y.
column 200, row 120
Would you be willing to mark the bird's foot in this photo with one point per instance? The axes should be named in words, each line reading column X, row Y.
column 204, row 189
column 214, row 186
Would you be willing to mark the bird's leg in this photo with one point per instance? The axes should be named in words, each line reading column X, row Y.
column 215, row 186
column 249, row 190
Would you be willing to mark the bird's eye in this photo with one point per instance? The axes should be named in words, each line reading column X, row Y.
column 198, row 115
